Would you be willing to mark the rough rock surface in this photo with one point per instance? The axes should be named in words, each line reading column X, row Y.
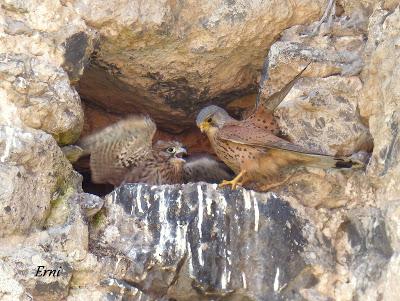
column 324, row 235
column 39, row 48
column 157, row 56
column 34, row 174
column 198, row 241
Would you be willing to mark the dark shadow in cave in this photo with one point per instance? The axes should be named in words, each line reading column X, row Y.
column 82, row 166
column 92, row 188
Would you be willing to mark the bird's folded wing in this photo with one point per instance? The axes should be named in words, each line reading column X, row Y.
column 119, row 147
column 204, row 168
column 275, row 99
column 248, row 134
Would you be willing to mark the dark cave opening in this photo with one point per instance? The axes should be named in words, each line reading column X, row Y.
column 82, row 166
column 103, row 105
column 93, row 188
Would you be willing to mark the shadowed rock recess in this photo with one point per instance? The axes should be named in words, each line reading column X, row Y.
column 69, row 67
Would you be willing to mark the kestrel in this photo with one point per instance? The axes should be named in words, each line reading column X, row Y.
column 253, row 151
column 126, row 153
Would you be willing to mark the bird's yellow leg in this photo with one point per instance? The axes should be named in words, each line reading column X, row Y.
column 234, row 182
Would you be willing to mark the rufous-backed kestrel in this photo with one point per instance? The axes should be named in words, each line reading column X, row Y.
column 253, row 151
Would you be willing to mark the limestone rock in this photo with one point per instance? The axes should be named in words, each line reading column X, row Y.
column 34, row 174
column 193, row 241
column 322, row 114
column 39, row 95
column 49, row 30
column 380, row 105
column 324, row 235
column 38, row 39
column 170, row 59
column 24, row 263
column 379, row 101
column 63, row 247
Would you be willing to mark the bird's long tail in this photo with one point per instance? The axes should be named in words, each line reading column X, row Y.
column 325, row 161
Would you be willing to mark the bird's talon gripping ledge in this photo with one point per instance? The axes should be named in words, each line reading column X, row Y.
column 234, row 183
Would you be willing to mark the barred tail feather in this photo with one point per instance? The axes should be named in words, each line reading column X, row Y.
column 347, row 162
column 326, row 161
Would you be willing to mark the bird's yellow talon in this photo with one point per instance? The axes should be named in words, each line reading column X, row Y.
column 234, row 183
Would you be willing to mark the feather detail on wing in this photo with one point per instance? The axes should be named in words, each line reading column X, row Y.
column 204, row 168
column 118, row 147
column 272, row 102
column 247, row 134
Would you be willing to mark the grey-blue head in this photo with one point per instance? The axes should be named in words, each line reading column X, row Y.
column 212, row 117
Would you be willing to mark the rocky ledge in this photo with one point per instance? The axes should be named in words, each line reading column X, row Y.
column 196, row 242
column 69, row 67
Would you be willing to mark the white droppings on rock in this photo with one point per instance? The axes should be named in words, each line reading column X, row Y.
column 208, row 202
column 139, row 198
column 247, row 200
column 180, row 240
column 276, row 280
column 190, row 258
column 165, row 231
column 256, row 212
column 225, row 277
column 228, row 256
column 200, row 255
column 244, row 280
column 147, row 199
column 179, row 200
column 200, row 210
column 222, row 203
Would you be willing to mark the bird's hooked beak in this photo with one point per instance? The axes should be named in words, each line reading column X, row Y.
column 204, row 126
column 181, row 153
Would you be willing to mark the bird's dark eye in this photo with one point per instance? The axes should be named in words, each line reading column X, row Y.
column 209, row 120
column 170, row 150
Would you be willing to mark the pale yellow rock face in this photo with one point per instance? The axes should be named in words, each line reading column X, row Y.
column 380, row 101
column 34, row 175
column 321, row 114
column 380, row 104
column 157, row 55
column 324, row 235
column 37, row 38
column 38, row 94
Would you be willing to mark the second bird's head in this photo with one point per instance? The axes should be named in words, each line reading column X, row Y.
column 173, row 151
column 211, row 118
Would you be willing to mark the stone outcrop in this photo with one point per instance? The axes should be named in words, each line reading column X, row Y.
column 156, row 56
column 38, row 51
column 70, row 66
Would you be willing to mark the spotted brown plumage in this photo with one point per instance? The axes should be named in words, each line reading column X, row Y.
column 119, row 148
column 126, row 152
column 253, row 151
column 163, row 165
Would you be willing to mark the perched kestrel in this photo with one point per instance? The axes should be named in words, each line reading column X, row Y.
column 253, row 151
column 126, row 153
